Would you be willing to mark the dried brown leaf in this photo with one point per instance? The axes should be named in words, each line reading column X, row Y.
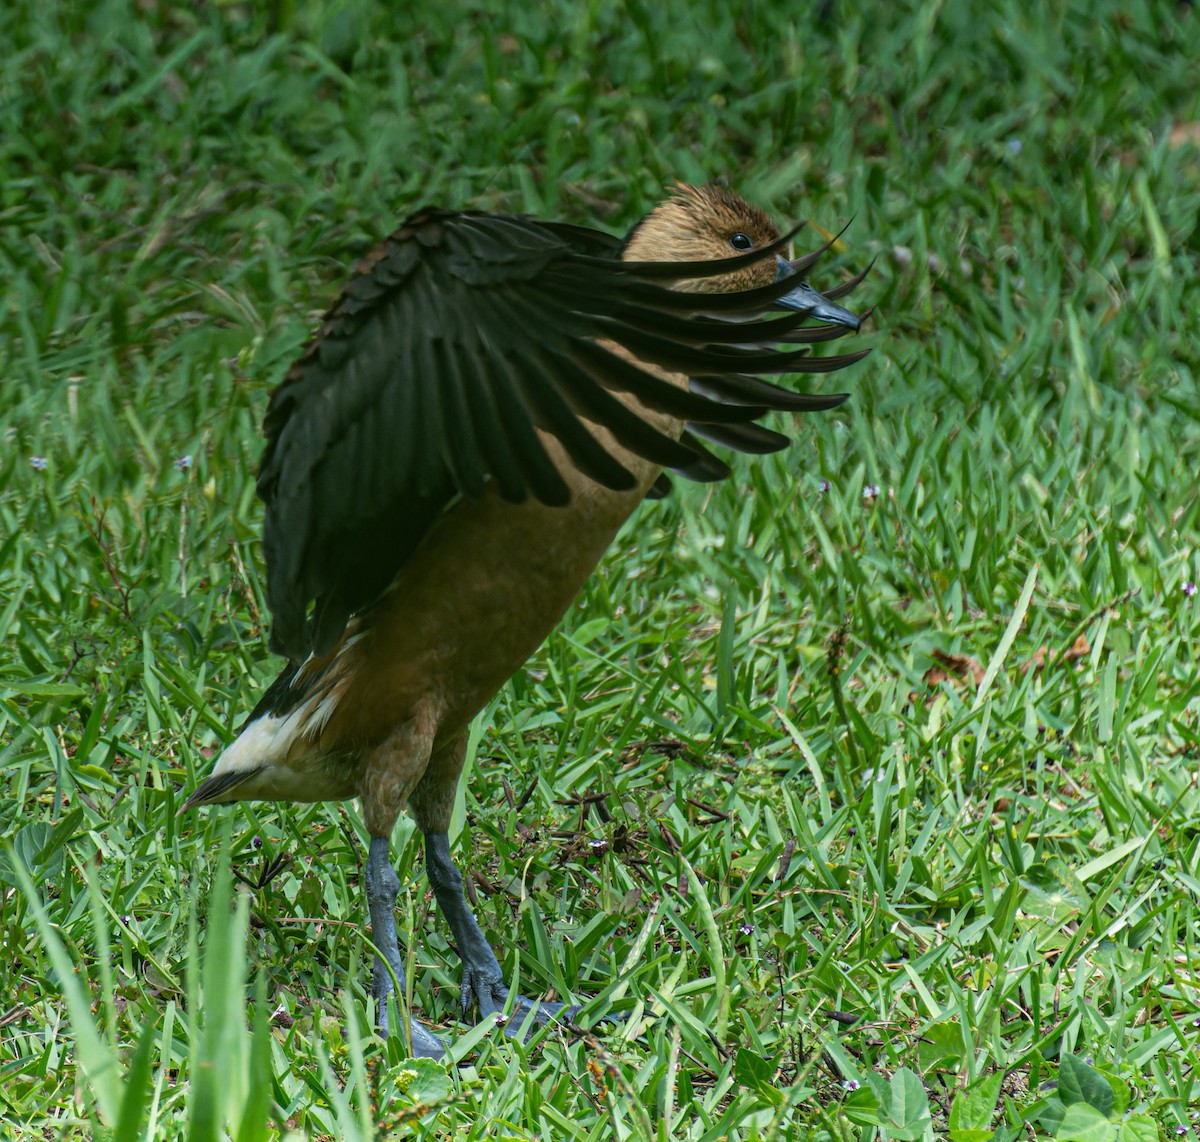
column 1044, row 656
column 953, row 667
column 1184, row 134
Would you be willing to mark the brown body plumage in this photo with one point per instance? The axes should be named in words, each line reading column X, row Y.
column 437, row 552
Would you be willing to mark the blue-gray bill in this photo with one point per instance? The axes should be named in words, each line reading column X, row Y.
column 804, row 299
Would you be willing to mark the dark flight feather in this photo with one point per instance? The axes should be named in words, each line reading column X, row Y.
column 460, row 336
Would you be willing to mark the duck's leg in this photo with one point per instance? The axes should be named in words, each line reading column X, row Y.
column 482, row 980
column 382, row 887
column 388, row 774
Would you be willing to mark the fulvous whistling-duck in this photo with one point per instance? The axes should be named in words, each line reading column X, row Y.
column 483, row 407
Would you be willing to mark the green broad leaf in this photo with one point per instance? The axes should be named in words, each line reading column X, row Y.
column 1079, row 1083
column 1049, row 1114
column 941, row 1047
column 1052, row 891
column 1083, row 1123
column 756, row 1073
column 1138, row 1128
column 752, row 1070
column 881, row 1088
column 429, row 1083
column 34, row 849
column 908, row 1115
column 585, row 632
column 1120, row 1090
column 862, row 1107
column 973, row 1109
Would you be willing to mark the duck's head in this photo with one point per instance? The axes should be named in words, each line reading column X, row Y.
column 707, row 223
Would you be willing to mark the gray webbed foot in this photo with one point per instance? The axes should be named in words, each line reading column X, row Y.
column 483, row 985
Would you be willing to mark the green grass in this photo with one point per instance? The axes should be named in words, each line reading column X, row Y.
column 823, row 868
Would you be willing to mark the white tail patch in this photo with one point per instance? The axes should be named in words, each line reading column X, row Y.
column 274, row 739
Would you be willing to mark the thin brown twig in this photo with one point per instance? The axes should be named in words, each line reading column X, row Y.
column 95, row 529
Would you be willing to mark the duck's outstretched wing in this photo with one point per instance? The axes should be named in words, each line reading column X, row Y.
column 456, row 340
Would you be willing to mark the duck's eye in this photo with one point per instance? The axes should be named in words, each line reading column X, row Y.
column 741, row 242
